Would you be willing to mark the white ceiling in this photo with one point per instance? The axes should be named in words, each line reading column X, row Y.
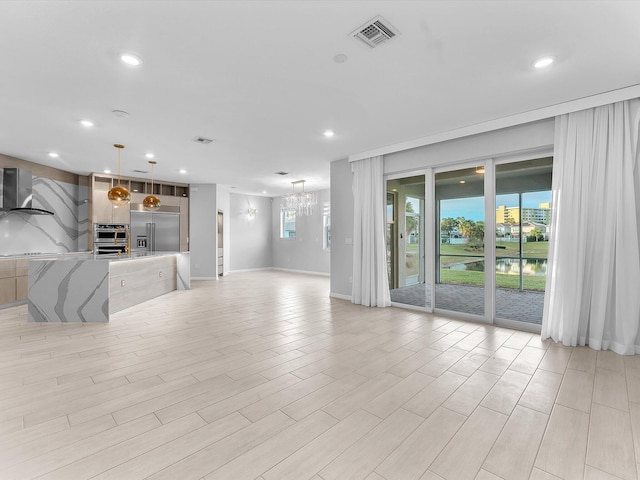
column 259, row 78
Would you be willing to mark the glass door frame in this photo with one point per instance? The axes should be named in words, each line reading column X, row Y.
column 431, row 232
column 428, row 217
column 502, row 160
column 489, row 246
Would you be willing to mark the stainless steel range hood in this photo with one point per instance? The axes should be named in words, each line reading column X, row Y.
column 17, row 192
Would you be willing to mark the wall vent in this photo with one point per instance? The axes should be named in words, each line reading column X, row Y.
column 375, row 32
column 203, row 140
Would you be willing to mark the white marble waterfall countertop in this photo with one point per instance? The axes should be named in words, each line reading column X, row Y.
column 77, row 288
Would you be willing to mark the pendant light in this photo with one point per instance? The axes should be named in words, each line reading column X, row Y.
column 119, row 195
column 151, row 202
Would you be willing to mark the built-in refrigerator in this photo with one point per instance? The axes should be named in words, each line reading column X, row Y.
column 155, row 232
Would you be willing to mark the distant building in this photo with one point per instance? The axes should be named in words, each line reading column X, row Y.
column 514, row 215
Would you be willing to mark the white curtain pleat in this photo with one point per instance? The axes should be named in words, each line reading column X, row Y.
column 592, row 292
column 370, row 285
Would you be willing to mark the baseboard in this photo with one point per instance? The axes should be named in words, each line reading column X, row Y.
column 248, row 270
column 322, row 274
column 340, row 296
column 204, row 278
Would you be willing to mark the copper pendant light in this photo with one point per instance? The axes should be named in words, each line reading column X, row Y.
column 119, row 195
column 151, row 202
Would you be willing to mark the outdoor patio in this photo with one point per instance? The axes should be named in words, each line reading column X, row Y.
column 511, row 304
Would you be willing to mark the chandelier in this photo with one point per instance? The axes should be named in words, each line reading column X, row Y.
column 301, row 203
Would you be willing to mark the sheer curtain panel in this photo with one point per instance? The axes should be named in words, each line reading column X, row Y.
column 593, row 280
column 370, row 283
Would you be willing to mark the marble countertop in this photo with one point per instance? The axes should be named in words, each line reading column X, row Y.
column 88, row 255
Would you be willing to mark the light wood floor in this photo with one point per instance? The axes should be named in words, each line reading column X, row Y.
column 262, row 376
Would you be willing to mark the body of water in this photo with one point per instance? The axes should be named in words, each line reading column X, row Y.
column 507, row 266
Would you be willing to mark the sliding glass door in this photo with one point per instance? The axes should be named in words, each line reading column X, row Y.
column 460, row 256
column 523, row 214
column 441, row 255
column 406, row 241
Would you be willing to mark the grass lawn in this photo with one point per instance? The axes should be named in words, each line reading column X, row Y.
column 467, row 277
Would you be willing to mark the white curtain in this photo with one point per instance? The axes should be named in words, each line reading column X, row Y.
column 593, row 283
column 370, row 283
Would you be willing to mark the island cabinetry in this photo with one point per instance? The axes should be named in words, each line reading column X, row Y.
column 90, row 289
column 134, row 282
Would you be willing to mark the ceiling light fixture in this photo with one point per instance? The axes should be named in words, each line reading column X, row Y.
column 151, row 202
column 480, row 170
column 463, row 181
column 118, row 195
column 328, row 133
column 53, row 155
column 131, row 59
column 149, row 155
column 86, row 123
column 106, row 170
column 301, row 203
column 543, row 62
column 182, row 171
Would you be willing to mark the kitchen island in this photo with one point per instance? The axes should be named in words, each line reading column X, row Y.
column 88, row 288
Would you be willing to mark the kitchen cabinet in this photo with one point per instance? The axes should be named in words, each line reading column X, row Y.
column 170, row 194
column 14, row 280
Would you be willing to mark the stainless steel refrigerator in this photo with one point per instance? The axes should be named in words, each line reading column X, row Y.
column 155, row 232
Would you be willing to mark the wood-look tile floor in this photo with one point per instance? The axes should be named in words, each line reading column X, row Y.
column 262, row 376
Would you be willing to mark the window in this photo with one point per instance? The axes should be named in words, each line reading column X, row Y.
column 288, row 224
column 326, row 226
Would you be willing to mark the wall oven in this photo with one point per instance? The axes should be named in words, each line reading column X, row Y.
column 110, row 238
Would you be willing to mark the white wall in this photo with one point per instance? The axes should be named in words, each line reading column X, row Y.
column 203, row 231
column 250, row 235
column 526, row 137
column 305, row 252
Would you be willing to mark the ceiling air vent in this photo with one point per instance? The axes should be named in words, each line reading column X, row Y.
column 282, row 173
column 140, row 171
column 203, row 140
column 375, row 32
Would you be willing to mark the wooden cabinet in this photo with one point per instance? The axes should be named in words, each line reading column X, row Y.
column 14, row 280
column 102, row 211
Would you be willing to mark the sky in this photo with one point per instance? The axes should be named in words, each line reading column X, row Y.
column 473, row 208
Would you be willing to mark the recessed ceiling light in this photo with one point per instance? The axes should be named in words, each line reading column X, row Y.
column 86, row 123
column 543, row 62
column 149, row 155
column 107, row 170
column 53, row 155
column 328, row 133
column 131, row 59
column 264, row 191
column 340, row 58
column 183, row 171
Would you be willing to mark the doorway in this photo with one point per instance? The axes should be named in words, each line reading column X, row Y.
column 406, row 241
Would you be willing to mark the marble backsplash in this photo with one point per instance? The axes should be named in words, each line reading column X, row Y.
column 65, row 231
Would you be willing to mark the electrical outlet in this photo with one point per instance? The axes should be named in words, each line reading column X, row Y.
column 122, row 283
column 160, row 274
